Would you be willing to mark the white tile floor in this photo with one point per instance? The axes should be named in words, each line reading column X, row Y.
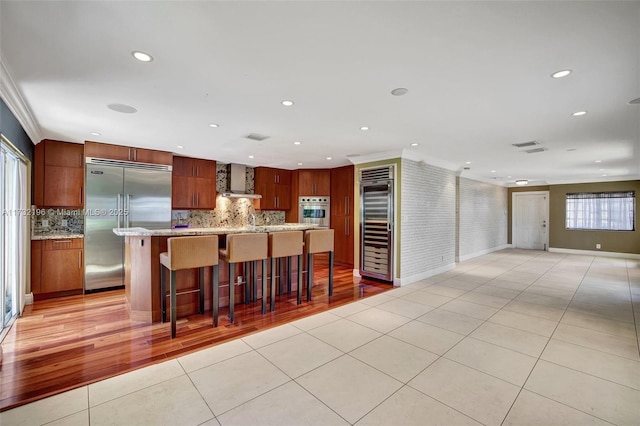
column 514, row 337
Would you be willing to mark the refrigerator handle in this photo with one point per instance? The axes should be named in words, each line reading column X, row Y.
column 119, row 210
column 128, row 211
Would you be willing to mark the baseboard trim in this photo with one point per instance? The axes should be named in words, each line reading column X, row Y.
column 595, row 253
column 483, row 252
column 399, row 282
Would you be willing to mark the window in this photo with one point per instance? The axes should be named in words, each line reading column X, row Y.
column 606, row 211
column 13, row 233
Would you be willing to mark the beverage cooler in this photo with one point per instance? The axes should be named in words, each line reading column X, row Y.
column 376, row 223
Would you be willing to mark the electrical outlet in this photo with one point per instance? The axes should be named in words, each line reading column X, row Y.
column 45, row 223
column 65, row 222
column 598, row 246
column 239, row 279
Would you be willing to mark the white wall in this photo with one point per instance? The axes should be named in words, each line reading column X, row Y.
column 482, row 216
column 427, row 222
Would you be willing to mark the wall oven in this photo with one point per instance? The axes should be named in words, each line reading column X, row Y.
column 315, row 210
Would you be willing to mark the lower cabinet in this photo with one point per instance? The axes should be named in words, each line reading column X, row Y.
column 57, row 267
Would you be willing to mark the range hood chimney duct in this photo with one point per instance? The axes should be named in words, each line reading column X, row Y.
column 236, row 186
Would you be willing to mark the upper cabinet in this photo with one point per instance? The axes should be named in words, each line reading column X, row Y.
column 127, row 153
column 193, row 184
column 194, row 167
column 314, row 182
column 275, row 187
column 58, row 174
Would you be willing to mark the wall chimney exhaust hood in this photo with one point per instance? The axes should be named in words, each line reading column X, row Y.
column 236, row 186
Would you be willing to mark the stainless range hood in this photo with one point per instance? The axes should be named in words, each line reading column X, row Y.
column 236, row 186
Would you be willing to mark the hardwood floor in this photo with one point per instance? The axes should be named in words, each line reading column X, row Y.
column 64, row 343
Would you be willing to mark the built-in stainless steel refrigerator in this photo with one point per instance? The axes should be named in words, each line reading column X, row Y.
column 120, row 195
column 376, row 223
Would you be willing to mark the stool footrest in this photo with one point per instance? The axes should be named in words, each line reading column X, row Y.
column 197, row 290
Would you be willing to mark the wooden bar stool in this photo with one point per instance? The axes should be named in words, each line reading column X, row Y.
column 187, row 253
column 318, row 241
column 249, row 247
column 281, row 245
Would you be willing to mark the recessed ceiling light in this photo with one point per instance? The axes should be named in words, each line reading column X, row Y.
column 364, row 128
column 598, row 161
column 287, row 103
column 493, row 171
column 297, row 143
column 96, row 133
column 251, row 156
column 299, row 164
column 142, row 56
column 213, row 125
column 180, row 146
column 467, row 162
column 561, row 73
column 329, row 158
column 602, row 170
column 508, row 177
column 400, row 91
column 415, row 144
column 604, row 174
column 125, row 109
column 579, row 113
column 522, row 182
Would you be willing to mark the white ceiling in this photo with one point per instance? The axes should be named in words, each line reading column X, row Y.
column 478, row 76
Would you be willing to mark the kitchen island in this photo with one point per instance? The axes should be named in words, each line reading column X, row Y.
column 142, row 268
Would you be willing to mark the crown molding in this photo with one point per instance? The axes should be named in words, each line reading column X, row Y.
column 409, row 154
column 15, row 102
column 376, row 156
column 412, row 154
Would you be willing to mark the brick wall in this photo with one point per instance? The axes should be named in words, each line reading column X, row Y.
column 482, row 217
column 427, row 222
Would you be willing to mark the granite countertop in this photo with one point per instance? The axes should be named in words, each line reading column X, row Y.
column 55, row 235
column 140, row 232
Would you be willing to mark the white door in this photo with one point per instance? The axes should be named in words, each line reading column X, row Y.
column 530, row 220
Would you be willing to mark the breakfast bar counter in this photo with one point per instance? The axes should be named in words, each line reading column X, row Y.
column 142, row 268
column 222, row 230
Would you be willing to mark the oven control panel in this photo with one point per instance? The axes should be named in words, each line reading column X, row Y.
column 314, row 200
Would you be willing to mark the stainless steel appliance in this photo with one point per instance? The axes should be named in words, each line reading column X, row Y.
column 315, row 210
column 120, row 194
column 376, row 223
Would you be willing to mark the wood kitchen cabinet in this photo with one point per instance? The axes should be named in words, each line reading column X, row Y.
column 275, row 187
column 193, row 184
column 58, row 174
column 314, row 182
column 57, row 267
column 342, row 214
column 127, row 153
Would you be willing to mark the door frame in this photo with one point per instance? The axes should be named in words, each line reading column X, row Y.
column 514, row 200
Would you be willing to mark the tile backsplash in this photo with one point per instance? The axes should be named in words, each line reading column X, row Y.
column 57, row 220
column 228, row 212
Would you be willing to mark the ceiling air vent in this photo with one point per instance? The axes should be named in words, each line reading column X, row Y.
column 534, row 150
column 525, row 144
column 256, row 136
